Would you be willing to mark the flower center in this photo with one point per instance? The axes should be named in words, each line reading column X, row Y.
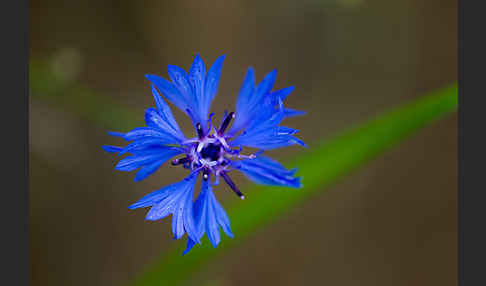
column 211, row 152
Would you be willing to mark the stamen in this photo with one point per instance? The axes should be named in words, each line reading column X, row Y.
column 232, row 185
column 207, row 163
column 200, row 146
column 226, row 122
column 205, row 174
column 176, row 162
column 190, row 141
column 211, row 125
column 200, row 132
column 225, row 114
column 251, row 156
column 216, row 180
column 236, row 153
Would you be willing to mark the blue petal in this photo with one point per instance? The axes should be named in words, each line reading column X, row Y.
column 280, row 95
column 182, row 216
column 180, row 80
column 269, row 117
column 131, row 163
column 197, row 73
column 292, row 112
column 264, row 86
column 149, row 132
column 191, row 92
column 175, row 199
column 266, row 171
column 143, row 144
column 166, row 113
column 154, row 197
column 116, row 134
column 270, row 142
column 111, row 149
column 259, row 111
column 222, row 218
column 211, row 84
column 209, row 216
column 250, row 100
column 246, row 91
column 190, row 245
column 283, row 93
column 148, row 170
column 155, row 120
column 282, row 130
column 169, row 91
column 155, row 150
column 265, row 133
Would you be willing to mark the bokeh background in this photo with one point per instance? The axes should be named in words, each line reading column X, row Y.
column 392, row 222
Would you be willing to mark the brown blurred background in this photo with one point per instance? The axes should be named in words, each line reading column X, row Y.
column 391, row 223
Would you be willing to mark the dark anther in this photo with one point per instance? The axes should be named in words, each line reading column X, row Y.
column 180, row 161
column 200, row 132
column 226, row 122
column 232, row 185
column 205, row 174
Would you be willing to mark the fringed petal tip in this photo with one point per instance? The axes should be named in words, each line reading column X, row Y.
column 115, row 134
column 190, row 245
column 150, row 77
column 111, row 149
column 299, row 142
column 298, row 183
column 151, row 217
column 221, row 58
column 293, row 113
column 266, row 171
column 175, row 200
column 210, row 217
column 133, row 206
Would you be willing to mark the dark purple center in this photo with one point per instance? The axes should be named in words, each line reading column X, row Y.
column 211, row 158
column 211, row 152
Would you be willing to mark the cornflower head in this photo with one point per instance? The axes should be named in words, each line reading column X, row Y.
column 214, row 152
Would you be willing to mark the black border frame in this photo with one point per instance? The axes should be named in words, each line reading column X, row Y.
column 471, row 193
column 15, row 160
column 460, row 153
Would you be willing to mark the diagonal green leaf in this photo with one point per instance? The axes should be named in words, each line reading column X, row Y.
column 319, row 166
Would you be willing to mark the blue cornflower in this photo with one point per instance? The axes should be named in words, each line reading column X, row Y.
column 214, row 152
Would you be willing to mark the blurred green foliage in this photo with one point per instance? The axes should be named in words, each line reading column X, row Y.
column 320, row 165
column 65, row 93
